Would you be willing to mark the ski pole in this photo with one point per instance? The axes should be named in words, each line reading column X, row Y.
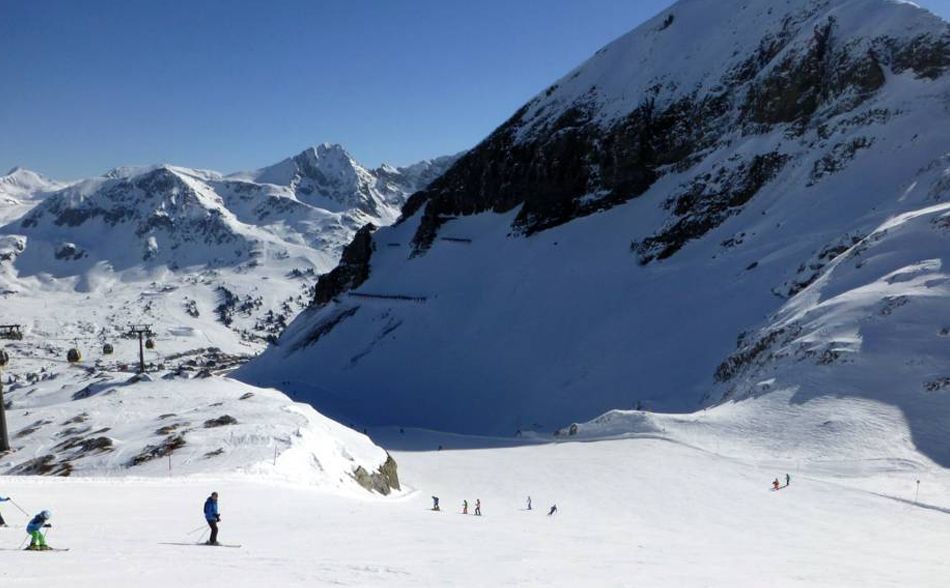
column 24, row 541
column 18, row 506
column 196, row 530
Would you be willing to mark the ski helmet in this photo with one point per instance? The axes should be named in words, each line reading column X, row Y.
column 46, row 514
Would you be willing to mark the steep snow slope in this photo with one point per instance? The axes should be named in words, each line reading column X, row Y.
column 606, row 246
column 873, row 325
column 630, row 512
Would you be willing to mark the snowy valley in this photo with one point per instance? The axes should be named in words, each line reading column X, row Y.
column 709, row 257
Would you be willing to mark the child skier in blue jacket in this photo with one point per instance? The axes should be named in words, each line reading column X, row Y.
column 35, row 530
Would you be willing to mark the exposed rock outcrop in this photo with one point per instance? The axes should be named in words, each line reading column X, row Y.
column 384, row 480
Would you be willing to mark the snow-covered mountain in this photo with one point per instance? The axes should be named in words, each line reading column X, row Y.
column 215, row 265
column 607, row 246
column 183, row 217
column 328, row 177
column 20, row 190
column 208, row 259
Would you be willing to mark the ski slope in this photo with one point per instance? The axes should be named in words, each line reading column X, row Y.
column 638, row 511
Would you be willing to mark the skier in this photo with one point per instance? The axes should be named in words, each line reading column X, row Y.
column 465, row 507
column 478, row 507
column 788, row 479
column 35, row 530
column 3, row 523
column 435, row 503
column 213, row 518
column 775, row 485
column 553, row 510
column 529, row 503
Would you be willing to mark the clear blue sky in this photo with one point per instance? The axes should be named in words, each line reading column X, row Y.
column 237, row 84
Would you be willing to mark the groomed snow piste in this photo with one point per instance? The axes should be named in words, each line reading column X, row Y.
column 631, row 512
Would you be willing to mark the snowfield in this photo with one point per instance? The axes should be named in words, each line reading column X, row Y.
column 736, row 214
column 115, row 425
column 631, row 512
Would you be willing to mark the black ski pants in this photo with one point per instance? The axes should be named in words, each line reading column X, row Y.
column 214, row 531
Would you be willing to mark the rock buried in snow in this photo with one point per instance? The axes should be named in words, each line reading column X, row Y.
column 45, row 465
column 221, row 421
column 166, row 447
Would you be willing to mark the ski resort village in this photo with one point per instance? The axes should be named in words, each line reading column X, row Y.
column 600, row 294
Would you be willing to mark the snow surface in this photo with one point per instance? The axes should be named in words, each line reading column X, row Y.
column 501, row 334
column 270, row 436
column 631, row 512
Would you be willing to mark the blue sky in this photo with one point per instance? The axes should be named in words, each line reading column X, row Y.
column 238, row 84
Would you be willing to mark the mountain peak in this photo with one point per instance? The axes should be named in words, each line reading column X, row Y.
column 19, row 171
column 326, row 153
column 699, row 48
column 23, row 183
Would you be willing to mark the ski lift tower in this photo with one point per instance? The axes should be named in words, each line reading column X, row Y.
column 142, row 332
column 10, row 332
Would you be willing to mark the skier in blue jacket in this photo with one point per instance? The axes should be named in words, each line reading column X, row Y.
column 35, row 529
column 212, row 516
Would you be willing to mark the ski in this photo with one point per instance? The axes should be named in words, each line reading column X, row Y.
column 235, row 545
column 36, row 550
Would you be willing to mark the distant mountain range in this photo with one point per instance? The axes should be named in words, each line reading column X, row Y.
column 242, row 250
column 186, row 217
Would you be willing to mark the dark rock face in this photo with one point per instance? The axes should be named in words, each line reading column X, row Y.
column 800, row 84
column 747, row 354
column 569, row 166
column 325, row 326
column 384, row 480
column 353, row 269
column 572, row 169
column 707, row 202
column 925, row 56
